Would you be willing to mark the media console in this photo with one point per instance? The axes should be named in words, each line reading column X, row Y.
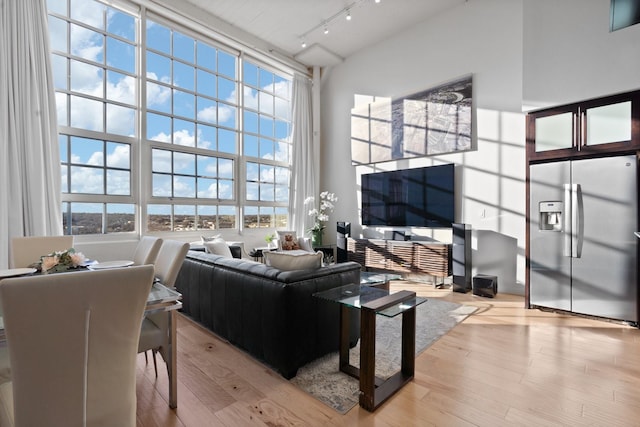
column 431, row 258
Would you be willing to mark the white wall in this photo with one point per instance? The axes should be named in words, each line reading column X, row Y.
column 482, row 38
column 570, row 55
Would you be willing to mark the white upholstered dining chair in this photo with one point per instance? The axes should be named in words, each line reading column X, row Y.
column 72, row 340
column 154, row 334
column 147, row 250
column 28, row 250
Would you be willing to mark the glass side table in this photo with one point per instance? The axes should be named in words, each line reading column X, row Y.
column 378, row 280
column 372, row 301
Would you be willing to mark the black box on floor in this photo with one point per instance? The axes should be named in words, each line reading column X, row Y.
column 485, row 285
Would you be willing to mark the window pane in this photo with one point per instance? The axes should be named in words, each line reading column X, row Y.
column 207, row 217
column 88, row 11
column 266, row 149
column 206, row 137
column 184, row 217
column 227, row 115
column 253, row 191
column 207, row 110
column 121, row 55
column 251, row 98
column 207, row 166
column 227, row 64
column 250, row 74
column 62, row 109
column 225, row 189
column 183, row 47
column 207, row 188
column 227, row 141
column 226, row 90
column 183, row 75
column 120, row 218
column 118, row 155
column 87, row 180
column 266, row 103
column 118, row 182
column 267, row 192
column 250, row 122
column 158, row 97
column 86, row 79
column 57, row 34
column 184, row 133
column 158, row 67
column 225, row 168
column 161, row 185
column 121, row 24
column 158, row 127
column 86, row 151
column 86, row 43
column 266, row 80
column 158, row 37
column 206, row 56
column 161, row 161
column 86, row 218
column 121, row 120
column 121, row 88
column 184, row 186
column 59, row 67
column 184, row 163
column 206, row 83
column 184, row 104
column 227, row 217
column 250, row 146
column 158, row 218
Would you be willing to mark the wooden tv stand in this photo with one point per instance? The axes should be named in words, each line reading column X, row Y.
column 431, row 258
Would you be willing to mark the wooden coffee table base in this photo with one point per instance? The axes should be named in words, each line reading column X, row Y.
column 373, row 390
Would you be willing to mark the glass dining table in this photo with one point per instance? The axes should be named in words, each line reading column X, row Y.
column 160, row 299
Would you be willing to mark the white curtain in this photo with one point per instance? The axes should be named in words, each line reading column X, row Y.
column 303, row 181
column 29, row 154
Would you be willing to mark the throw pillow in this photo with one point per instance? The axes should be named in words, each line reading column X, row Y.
column 305, row 244
column 218, row 247
column 287, row 241
column 293, row 260
column 206, row 239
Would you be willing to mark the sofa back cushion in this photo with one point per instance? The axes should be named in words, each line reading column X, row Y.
column 293, row 260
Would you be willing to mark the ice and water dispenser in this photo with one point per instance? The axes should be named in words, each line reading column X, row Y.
column 550, row 216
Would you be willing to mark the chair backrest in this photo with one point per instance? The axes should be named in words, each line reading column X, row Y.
column 147, row 250
column 169, row 261
column 27, row 250
column 73, row 341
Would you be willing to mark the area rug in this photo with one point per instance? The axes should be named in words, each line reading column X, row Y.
column 323, row 380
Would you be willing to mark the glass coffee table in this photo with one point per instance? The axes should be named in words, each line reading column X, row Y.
column 378, row 280
column 372, row 301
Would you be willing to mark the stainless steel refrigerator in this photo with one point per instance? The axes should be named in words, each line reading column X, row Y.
column 583, row 214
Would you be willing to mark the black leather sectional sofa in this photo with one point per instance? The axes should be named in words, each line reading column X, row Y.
column 269, row 313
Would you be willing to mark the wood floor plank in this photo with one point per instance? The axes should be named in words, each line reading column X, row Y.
column 504, row 365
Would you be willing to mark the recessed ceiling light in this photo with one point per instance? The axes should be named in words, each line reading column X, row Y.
column 348, row 15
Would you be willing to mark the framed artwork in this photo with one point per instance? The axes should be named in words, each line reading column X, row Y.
column 434, row 121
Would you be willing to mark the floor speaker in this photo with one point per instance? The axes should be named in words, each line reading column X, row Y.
column 461, row 257
column 344, row 231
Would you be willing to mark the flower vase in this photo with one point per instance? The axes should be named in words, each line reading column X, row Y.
column 316, row 238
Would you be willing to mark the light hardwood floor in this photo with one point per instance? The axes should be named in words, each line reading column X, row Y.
column 503, row 366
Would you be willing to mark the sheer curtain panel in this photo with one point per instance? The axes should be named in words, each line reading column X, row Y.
column 303, row 174
column 29, row 154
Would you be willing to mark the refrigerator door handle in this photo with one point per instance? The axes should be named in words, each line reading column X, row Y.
column 578, row 220
column 567, row 221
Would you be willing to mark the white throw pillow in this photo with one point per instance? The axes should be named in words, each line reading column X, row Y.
column 305, row 244
column 206, row 239
column 293, row 260
column 218, row 247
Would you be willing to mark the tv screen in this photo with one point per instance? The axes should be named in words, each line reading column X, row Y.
column 421, row 197
column 624, row 13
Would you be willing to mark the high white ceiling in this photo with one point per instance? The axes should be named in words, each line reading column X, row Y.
column 284, row 23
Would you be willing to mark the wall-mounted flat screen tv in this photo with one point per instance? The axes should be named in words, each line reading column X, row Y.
column 419, row 197
column 623, row 13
